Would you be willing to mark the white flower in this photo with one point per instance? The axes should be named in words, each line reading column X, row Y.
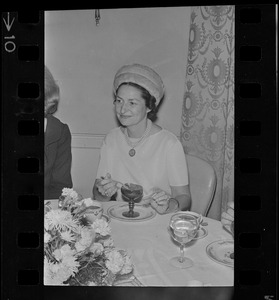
column 70, row 193
column 56, row 274
column 57, row 254
column 87, row 236
column 114, row 262
column 64, row 227
column 70, row 262
column 63, row 252
column 74, row 195
column 79, row 229
column 60, row 220
column 47, row 237
column 67, row 192
column 101, row 226
column 51, row 276
column 68, row 236
column 80, row 247
column 88, row 202
column 96, row 249
column 128, row 266
column 66, row 250
column 67, row 270
column 108, row 242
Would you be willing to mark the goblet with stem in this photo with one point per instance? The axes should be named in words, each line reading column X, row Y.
column 131, row 193
column 183, row 228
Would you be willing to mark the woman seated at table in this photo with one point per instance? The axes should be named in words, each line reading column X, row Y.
column 139, row 151
column 58, row 156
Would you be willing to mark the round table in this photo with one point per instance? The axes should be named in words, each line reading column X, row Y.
column 151, row 248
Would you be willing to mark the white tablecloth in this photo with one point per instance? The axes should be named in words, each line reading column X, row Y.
column 151, row 248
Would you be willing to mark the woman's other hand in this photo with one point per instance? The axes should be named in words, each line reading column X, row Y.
column 107, row 186
column 160, row 200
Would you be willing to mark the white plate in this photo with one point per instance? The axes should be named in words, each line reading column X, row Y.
column 220, row 252
column 145, row 213
column 202, row 232
column 105, row 217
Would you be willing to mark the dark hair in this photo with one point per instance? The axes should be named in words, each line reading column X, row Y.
column 150, row 101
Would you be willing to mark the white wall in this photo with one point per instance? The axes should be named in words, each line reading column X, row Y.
column 84, row 58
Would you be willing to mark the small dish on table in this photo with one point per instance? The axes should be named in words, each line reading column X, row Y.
column 220, row 251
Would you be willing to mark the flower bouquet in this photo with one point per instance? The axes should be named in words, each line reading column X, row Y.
column 78, row 250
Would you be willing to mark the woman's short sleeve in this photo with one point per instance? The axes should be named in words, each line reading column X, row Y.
column 177, row 165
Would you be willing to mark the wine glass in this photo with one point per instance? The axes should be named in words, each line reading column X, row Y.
column 131, row 193
column 183, row 228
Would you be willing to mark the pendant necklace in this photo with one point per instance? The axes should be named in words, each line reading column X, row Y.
column 132, row 151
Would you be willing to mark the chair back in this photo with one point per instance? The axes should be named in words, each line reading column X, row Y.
column 202, row 182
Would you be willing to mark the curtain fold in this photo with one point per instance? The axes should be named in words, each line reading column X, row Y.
column 207, row 128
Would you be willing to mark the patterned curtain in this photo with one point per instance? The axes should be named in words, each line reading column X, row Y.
column 207, row 129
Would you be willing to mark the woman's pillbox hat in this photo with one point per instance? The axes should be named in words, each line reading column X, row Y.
column 143, row 76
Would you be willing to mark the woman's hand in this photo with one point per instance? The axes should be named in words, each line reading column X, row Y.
column 228, row 216
column 159, row 200
column 107, row 186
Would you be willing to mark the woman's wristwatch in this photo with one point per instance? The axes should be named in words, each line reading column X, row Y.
column 172, row 199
